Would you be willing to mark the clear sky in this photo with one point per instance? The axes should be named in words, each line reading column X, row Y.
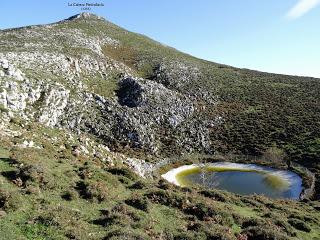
column 281, row 36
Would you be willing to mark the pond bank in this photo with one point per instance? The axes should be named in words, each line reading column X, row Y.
column 154, row 170
column 244, row 179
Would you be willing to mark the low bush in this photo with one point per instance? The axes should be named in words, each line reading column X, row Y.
column 138, row 185
column 113, row 219
column 303, row 217
column 298, row 224
column 263, row 233
column 70, row 195
column 183, row 236
column 85, row 172
column 3, row 109
column 216, row 195
column 29, row 176
column 286, row 227
column 162, row 184
column 139, row 202
column 124, row 209
column 68, row 220
column 93, row 190
column 200, row 210
column 167, row 198
column 218, row 232
column 124, row 172
column 10, row 201
column 119, row 215
column 125, row 233
column 252, row 222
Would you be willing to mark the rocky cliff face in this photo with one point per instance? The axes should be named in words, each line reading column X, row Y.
column 60, row 75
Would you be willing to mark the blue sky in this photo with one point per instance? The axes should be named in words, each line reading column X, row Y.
column 272, row 36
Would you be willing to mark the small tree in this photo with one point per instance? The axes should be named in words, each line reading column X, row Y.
column 203, row 173
column 274, row 154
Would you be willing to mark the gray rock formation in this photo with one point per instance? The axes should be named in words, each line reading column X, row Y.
column 59, row 74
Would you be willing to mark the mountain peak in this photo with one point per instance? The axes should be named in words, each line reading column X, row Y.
column 85, row 15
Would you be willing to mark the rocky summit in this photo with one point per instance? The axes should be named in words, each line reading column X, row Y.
column 92, row 115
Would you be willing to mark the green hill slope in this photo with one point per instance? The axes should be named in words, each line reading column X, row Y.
column 84, row 104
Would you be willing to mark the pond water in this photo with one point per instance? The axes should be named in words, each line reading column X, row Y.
column 244, row 179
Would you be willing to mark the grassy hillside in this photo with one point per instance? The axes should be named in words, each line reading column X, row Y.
column 53, row 193
column 108, row 88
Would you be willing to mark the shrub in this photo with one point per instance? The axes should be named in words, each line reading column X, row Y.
column 36, row 174
column 3, row 109
column 167, row 198
column 216, row 195
column 125, row 233
column 138, row 185
column 97, row 190
column 250, row 202
column 183, row 236
column 200, row 210
column 120, row 215
column 86, row 172
column 138, row 202
column 30, row 189
column 303, row 218
column 286, row 227
column 252, row 222
column 274, row 154
column 164, row 185
column 194, row 226
column 93, row 190
column 218, row 232
column 33, row 173
column 123, row 209
column 124, row 172
column 300, row 225
column 68, row 220
column 10, row 201
column 15, row 120
column 124, row 180
column 70, row 195
column 112, row 219
column 263, row 233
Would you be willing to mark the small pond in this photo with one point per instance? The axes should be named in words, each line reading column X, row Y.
column 244, row 179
